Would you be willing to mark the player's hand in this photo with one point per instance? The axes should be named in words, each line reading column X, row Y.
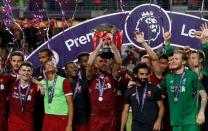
column 166, row 36
column 203, row 34
column 139, row 37
column 198, row 34
column 157, row 125
column 200, row 118
column 131, row 84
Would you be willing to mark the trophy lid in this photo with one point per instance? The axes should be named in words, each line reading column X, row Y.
column 105, row 27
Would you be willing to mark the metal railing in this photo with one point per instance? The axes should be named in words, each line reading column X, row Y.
column 86, row 7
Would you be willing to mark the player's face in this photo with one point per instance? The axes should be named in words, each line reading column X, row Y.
column 143, row 75
column 16, row 61
column 177, row 61
column 44, row 57
column 170, row 62
column 83, row 61
column 71, row 70
column 101, row 64
column 164, row 64
column 25, row 73
column 194, row 59
column 49, row 67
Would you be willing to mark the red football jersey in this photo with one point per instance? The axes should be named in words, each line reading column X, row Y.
column 154, row 79
column 106, row 107
column 5, row 82
column 16, row 113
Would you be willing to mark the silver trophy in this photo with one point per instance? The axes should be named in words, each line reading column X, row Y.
column 106, row 52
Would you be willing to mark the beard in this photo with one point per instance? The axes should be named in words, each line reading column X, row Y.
column 143, row 81
column 102, row 70
column 177, row 68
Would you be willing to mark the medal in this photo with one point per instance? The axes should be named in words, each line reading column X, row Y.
column 141, row 104
column 76, row 89
column 175, row 99
column 100, row 98
column 51, row 90
column 21, row 98
column 101, row 85
column 177, row 89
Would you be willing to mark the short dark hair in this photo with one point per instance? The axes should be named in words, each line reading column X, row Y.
column 171, row 54
column 163, row 56
column 27, row 64
column 69, row 62
column 81, row 54
column 140, row 66
column 48, row 51
column 17, row 53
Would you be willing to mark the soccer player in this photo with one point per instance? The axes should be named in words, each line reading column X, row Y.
column 102, row 86
column 80, row 97
column 151, row 60
column 183, row 86
column 58, row 103
column 82, row 61
column 145, row 100
column 44, row 55
column 16, row 59
column 22, row 98
column 203, row 37
column 5, row 82
column 6, row 79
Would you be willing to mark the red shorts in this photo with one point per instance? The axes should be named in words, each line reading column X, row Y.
column 54, row 122
column 19, row 127
column 102, row 123
column 16, row 123
column 3, row 123
column 80, row 127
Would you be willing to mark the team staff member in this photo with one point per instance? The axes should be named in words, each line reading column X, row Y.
column 145, row 100
column 22, row 97
column 58, row 103
column 183, row 86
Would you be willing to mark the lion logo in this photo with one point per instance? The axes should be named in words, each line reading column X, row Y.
column 148, row 25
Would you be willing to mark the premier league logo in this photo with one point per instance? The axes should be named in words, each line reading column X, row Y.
column 148, row 24
column 149, row 19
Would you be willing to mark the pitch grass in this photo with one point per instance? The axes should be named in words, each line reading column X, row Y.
column 129, row 121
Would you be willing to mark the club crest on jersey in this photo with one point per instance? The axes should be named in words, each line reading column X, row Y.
column 149, row 93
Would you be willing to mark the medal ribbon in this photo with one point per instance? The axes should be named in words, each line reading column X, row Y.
column 76, row 88
column 101, row 85
column 21, row 98
column 51, row 90
column 143, row 97
column 178, row 88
